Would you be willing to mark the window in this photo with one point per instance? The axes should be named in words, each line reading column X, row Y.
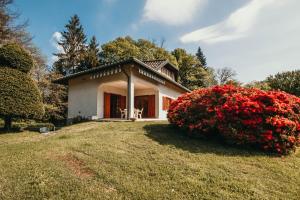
column 166, row 103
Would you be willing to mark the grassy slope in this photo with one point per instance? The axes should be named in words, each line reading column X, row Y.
column 138, row 161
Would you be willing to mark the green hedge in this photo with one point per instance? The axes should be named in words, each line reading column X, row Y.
column 14, row 56
column 20, row 96
column 37, row 126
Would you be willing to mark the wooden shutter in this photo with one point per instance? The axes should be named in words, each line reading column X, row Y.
column 151, row 106
column 122, row 102
column 166, row 103
column 106, row 105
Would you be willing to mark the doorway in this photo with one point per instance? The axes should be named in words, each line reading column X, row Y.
column 112, row 105
column 147, row 103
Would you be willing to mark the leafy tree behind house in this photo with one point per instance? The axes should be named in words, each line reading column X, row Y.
column 286, row 81
column 73, row 47
column 192, row 74
column 201, row 57
column 122, row 48
column 19, row 96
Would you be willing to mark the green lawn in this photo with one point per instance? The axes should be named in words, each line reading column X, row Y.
column 139, row 160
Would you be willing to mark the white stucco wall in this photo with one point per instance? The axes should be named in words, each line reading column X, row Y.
column 82, row 98
column 165, row 92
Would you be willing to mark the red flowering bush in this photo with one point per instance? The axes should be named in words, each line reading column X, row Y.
column 269, row 120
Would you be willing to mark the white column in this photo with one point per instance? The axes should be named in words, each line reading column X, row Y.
column 130, row 95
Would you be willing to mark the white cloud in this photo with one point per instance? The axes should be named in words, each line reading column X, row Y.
column 171, row 12
column 56, row 37
column 237, row 25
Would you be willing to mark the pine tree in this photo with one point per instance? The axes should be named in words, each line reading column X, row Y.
column 201, row 57
column 73, row 45
column 91, row 58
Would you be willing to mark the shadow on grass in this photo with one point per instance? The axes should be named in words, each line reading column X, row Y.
column 166, row 134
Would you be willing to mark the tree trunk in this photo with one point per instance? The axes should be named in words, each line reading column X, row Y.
column 7, row 126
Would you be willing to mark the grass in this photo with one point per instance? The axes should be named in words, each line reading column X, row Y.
column 124, row 160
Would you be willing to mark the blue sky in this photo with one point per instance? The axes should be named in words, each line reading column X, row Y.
column 254, row 37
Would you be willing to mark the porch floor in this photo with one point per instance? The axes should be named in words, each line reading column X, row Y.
column 126, row 120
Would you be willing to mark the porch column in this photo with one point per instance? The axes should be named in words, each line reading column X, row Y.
column 130, row 96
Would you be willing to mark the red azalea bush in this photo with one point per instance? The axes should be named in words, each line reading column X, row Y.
column 269, row 120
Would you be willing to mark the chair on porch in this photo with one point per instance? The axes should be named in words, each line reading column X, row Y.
column 139, row 113
column 123, row 113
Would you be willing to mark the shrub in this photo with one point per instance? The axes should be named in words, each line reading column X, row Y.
column 286, row 81
column 37, row 126
column 242, row 116
column 19, row 95
column 14, row 56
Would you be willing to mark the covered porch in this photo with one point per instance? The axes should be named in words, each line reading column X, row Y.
column 132, row 99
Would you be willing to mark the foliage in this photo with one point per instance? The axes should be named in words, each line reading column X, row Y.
column 262, row 85
column 201, row 57
column 73, row 47
column 12, row 29
column 54, row 98
column 243, row 116
column 13, row 56
column 91, row 57
column 191, row 73
column 122, row 48
column 286, row 81
column 37, row 126
column 19, row 95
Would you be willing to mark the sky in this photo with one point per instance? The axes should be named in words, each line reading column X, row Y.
column 256, row 38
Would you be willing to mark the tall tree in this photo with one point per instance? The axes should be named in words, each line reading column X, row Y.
column 225, row 74
column 73, row 47
column 201, row 57
column 10, row 29
column 191, row 72
column 91, row 58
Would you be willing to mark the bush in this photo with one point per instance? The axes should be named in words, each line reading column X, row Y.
column 286, row 81
column 242, row 116
column 19, row 95
column 13, row 56
column 37, row 126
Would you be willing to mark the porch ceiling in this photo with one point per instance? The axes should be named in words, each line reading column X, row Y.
column 123, row 85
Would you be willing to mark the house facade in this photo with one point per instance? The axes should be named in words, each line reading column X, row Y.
column 128, row 85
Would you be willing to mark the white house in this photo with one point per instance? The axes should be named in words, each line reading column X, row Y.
column 128, row 85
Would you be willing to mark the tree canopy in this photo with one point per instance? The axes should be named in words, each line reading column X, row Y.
column 125, row 47
column 286, row 81
column 73, row 46
column 201, row 57
column 19, row 96
column 192, row 74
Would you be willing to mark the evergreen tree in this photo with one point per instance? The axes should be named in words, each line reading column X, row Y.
column 201, row 57
column 91, row 58
column 19, row 96
column 73, row 45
